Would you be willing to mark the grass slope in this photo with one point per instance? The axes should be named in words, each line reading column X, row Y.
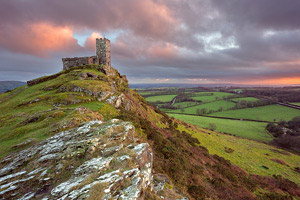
column 41, row 110
column 250, row 155
column 266, row 113
column 162, row 98
column 245, row 129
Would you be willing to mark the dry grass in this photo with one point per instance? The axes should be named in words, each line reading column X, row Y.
column 97, row 191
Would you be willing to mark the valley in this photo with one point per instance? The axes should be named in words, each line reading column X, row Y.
column 234, row 111
column 233, row 124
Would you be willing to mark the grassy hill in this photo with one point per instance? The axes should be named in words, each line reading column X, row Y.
column 254, row 157
column 41, row 110
column 182, row 153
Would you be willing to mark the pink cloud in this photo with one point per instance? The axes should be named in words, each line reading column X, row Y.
column 128, row 47
column 38, row 39
column 148, row 18
column 163, row 50
column 90, row 42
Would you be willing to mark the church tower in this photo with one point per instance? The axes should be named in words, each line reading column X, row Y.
column 103, row 51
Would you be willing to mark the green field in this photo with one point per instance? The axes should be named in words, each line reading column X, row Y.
column 162, row 98
column 297, row 103
column 266, row 113
column 185, row 104
column 214, row 106
column 245, row 129
column 250, row 155
column 210, row 98
column 145, row 93
column 245, row 99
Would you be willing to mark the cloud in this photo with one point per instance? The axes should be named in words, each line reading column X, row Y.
column 149, row 18
column 263, row 14
column 37, row 39
column 163, row 50
column 206, row 40
column 90, row 42
column 127, row 47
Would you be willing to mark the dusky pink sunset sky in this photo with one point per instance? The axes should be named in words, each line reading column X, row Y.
column 156, row 41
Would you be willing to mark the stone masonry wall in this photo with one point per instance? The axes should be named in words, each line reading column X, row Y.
column 71, row 62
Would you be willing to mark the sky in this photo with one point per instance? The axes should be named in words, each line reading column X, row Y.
column 156, row 41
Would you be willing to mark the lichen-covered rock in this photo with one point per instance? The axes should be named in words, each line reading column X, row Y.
column 118, row 101
column 96, row 159
column 164, row 189
column 100, row 95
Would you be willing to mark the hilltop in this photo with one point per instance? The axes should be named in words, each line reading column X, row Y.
column 83, row 134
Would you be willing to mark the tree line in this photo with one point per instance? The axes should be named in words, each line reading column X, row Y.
column 286, row 133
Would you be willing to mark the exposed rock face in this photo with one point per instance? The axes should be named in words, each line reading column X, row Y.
column 100, row 95
column 118, row 101
column 165, row 190
column 96, row 159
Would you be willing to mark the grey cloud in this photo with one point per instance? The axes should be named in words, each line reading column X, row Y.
column 166, row 39
column 265, row 14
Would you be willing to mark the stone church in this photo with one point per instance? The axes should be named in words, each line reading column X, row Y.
column 102, row 56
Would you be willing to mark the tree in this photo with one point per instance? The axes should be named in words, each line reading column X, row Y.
column 220, row 109
column 275, row 130
column 201, row 111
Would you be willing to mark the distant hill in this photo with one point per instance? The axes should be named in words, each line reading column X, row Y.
column 10, row 85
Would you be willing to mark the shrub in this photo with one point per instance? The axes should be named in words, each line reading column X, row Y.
column 212, row 127
column 196, row 191
column 229, row 150
column 227, row 172
column 275, row 130
column 274, row 196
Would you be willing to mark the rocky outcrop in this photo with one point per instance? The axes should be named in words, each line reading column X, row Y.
column 118, row 101
column 96, row 159
column 100, row 95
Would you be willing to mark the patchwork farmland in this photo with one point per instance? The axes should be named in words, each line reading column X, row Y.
column 230, row 111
